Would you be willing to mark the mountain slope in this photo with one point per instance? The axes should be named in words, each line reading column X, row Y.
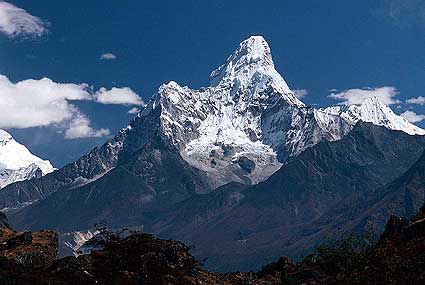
column 287, row 214
column 17, row 163
column 290, row 212
column 402, row 197
column 129, row 195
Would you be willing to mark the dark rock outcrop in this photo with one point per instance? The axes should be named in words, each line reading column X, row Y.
column 28, row 249
column 138, row 258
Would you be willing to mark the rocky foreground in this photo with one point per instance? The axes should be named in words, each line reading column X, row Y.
column 139, row 258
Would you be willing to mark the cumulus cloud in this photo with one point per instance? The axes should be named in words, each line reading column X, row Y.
column 80, row 127
column 300, row 93
column 41, row 103
column 16, row 22
column 134, row 111
column 38, row 103
column 118, row 96
column 418, row 100
column 412, row 116
column 108, row 56
column 385, row 94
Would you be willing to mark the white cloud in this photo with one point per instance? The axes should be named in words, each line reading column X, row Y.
column 80, row 127
column 385, row 94
column 118, row 96
column 108, row 56
column 15, row 22
column 134, row 111
column 38, row 103
column 300, row 93
column 418, row 100
column 412, row 116
column 41, row 103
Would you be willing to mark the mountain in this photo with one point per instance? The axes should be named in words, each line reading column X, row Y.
column 374, row 111
column 318, row 194
column 242, row 128
column 402, row 197
column 151, row 180
column 234, row 165
column 323, row 189
column 17, row 163
column 245, row 124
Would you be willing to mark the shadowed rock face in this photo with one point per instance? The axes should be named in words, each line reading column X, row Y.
column 4, row 223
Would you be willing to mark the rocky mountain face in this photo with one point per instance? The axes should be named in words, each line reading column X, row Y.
column 237, row 163
column 17, row 163
column 4, row 223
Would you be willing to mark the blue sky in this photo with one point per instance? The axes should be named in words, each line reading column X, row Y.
column 317, row 46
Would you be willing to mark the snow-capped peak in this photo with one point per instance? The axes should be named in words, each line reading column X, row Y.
column 219, row 127
column 253, row 53
column 251, row 66
column 372, row 110
column 245, row 124
column 18, row 163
